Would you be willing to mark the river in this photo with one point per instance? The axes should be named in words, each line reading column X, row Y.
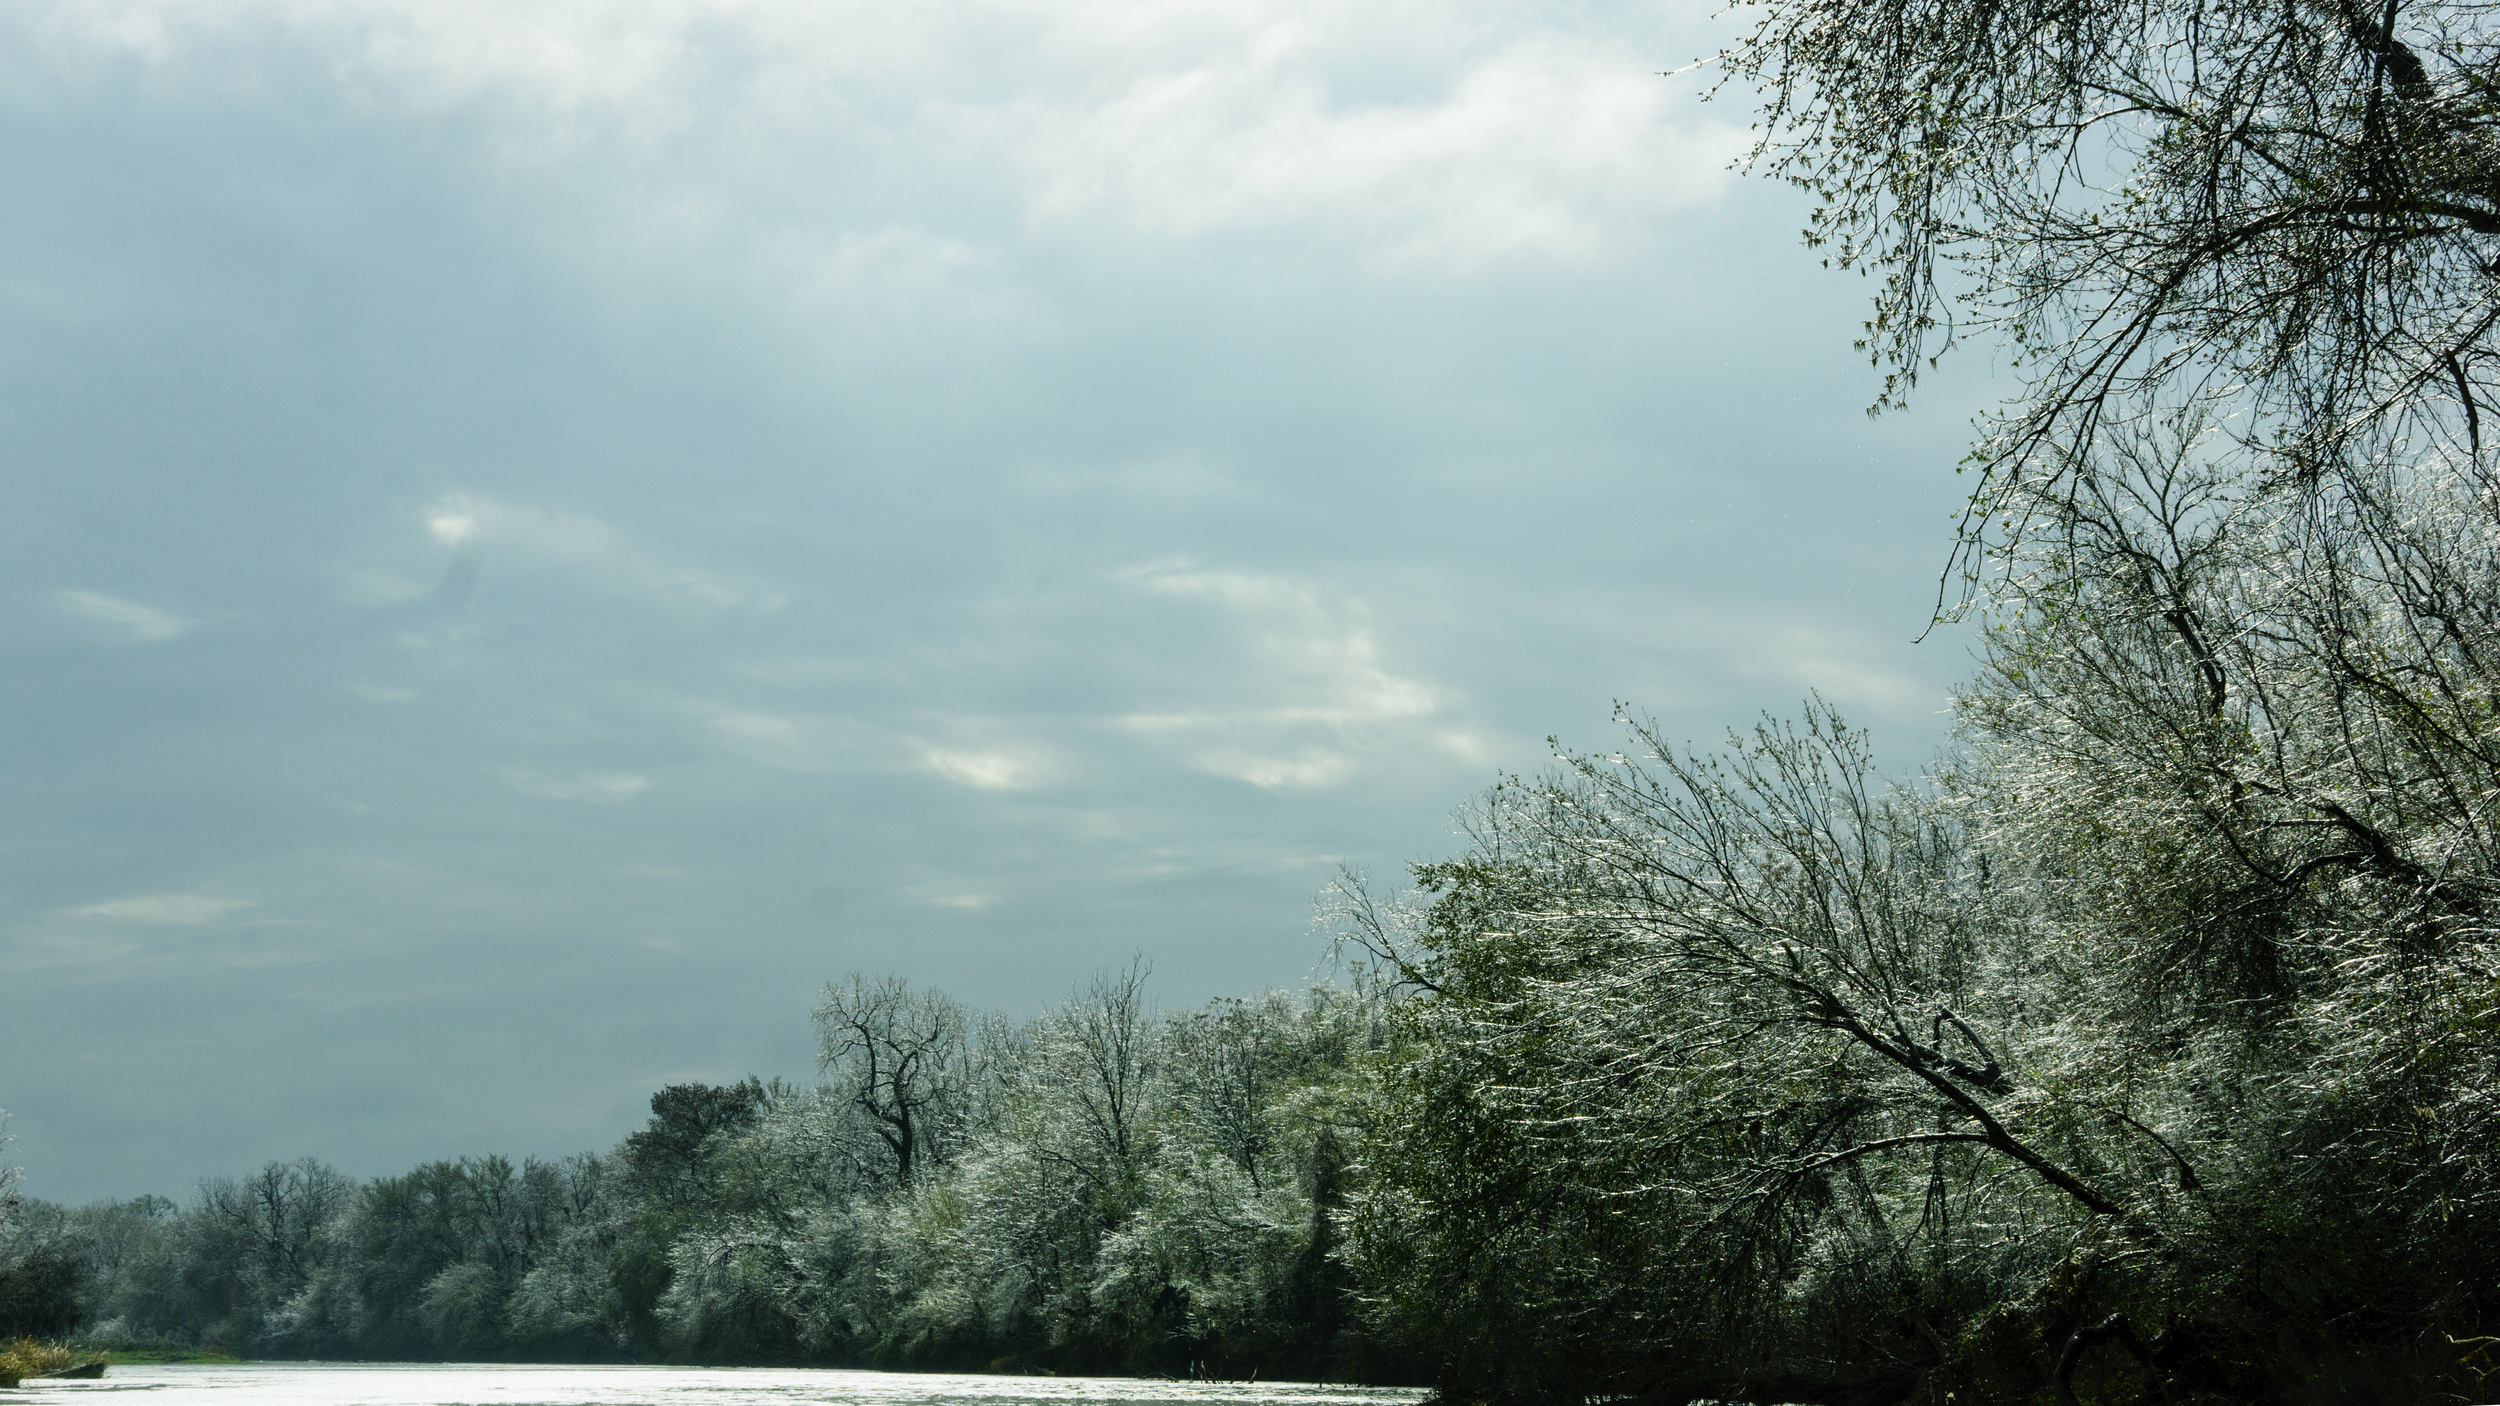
column 415, row 1384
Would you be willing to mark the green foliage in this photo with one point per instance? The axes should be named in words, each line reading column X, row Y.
column 1102, row 1189
column 42, row 1297
column 2170, row 995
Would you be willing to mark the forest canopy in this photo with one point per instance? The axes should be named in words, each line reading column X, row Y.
column 2143, row 1048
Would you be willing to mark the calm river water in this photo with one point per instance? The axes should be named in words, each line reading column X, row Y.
column 362, row 1384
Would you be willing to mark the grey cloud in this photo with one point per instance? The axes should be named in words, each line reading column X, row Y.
column 644, row 497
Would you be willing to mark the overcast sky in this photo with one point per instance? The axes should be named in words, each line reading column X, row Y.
column 532, row 536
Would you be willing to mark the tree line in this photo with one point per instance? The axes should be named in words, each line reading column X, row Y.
column 1103, row 1189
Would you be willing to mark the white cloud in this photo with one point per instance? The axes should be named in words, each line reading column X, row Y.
column 1547, row 147
column 1283, row 685
column 986, row 770
column 809, row 742
column 1312, row 767
column 593, row 549
column 607, row 788
column 142, row 623
column 165, row 909
column 1309, row 693
column 1316, row 646
column 833, row 742
column 1447, row 137
column 451, row 526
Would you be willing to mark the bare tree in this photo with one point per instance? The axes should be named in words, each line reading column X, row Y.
column 899, row 1056
column 1106, row 1034
column 1224, row 1068
column 10, row 1175
column 276, row 1217
column 2283, row 214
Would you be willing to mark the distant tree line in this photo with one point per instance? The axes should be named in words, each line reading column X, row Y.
column 1103, row 1189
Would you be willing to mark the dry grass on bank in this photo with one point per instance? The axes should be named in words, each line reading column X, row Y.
column 29, row 1358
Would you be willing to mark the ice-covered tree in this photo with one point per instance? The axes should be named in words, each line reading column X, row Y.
column 899, row 1057
column 2283, row 216
column 11, row 1176
column 2169, row 1000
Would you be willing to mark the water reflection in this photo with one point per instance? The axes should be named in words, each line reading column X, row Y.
column 391, row 1384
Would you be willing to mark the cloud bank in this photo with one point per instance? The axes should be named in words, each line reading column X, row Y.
column 599, row 517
